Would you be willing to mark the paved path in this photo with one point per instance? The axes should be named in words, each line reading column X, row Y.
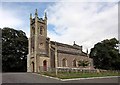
column 35, row 78
column 26, row 78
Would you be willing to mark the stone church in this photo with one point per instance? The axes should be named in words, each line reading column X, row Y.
column 45, row 54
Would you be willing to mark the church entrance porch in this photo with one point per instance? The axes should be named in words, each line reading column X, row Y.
column 44, row 63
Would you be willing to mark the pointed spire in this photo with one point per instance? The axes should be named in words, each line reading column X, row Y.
column 45, row 15
column 74, row 42
column 87, row 51
column 36, row 12
column 30, row 16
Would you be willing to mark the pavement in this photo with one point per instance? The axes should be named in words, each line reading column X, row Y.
column 37, row 78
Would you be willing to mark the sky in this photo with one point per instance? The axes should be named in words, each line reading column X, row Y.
column 86, row 23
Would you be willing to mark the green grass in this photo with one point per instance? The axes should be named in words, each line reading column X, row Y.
column 66, row 75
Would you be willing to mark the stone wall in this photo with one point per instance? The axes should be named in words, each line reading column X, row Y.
column 70, row 53
column 70, row 58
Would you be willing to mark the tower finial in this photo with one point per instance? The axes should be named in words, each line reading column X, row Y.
column 30, row 16
column 87, row 51
column 74, row 42
column 45, row 15
column 36, row 12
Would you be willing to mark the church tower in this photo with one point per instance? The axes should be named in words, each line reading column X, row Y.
column 38, row 54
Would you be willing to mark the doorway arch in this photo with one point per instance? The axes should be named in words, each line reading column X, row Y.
column 44, row 65
column 33, row 66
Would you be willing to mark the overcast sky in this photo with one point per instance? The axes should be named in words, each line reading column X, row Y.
column 86, row 23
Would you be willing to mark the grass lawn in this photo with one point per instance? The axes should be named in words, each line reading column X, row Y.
column 67, row 75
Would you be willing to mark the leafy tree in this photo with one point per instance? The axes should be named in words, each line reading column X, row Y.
column 83, row 63
column 106, row 55
column 14, row 50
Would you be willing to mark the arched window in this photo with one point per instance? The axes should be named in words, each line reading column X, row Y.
column 41, row 30
column 74, row 63
column 64, row 62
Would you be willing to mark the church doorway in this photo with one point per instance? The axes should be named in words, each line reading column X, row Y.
column 32, row 66
column 45, row 65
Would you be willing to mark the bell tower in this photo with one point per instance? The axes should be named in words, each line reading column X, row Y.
column 37, row 41
column 41, row 34
column 38, row 33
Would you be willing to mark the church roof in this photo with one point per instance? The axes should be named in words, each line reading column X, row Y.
column 74, row 46
column 67, row 45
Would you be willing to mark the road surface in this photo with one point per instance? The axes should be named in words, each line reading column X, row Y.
column 36, row 78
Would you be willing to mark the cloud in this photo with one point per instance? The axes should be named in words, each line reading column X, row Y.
column 9, row 19
column 60, row 0
column 15, row 15
column 85, row 23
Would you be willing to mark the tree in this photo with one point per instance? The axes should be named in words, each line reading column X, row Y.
column 106, row 55
column 83, row 63
column 14, row 50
